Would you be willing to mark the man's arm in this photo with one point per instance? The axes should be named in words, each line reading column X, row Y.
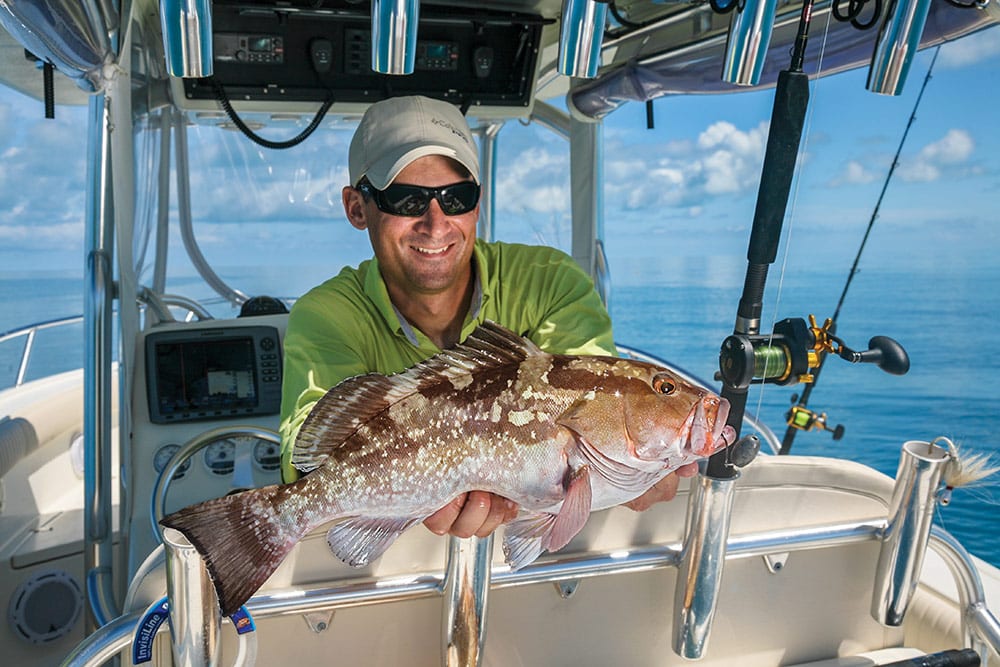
column 317, row 357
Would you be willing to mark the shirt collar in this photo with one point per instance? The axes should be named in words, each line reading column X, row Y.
column 376, row 290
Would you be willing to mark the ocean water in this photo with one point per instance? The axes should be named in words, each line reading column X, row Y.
column 945, row 322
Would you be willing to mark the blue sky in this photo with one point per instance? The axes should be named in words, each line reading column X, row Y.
column 684, row 189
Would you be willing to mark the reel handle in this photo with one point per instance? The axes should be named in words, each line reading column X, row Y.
column 882, row 351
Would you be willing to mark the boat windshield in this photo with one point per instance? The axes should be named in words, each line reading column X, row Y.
column 271, row 222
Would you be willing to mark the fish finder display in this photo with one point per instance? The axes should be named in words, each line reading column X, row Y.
column 213, row 373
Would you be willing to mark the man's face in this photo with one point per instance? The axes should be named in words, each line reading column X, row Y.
column 424, row 255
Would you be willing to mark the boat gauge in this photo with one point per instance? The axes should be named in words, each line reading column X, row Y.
column 220, row 457
column 267, row 455
column 163, row 456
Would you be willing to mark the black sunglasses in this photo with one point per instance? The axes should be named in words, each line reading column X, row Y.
column 413, row 200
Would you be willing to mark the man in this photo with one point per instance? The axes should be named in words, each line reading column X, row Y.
column 414, row 173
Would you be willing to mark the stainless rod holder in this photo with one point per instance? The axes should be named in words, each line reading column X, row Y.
column 904, row 542
column 699, row 574
column 749, row 36
column 466, row 588
column 394, row 35
column 898, row 41
column 580, row 37
column 195, row 617
column 187, row 37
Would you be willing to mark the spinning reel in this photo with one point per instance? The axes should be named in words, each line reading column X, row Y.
column 794, row 353
column 794, row 350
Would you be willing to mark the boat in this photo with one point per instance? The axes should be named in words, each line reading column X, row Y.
column 762, row 559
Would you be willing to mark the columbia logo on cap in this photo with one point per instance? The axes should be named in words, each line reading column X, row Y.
column 446, row 124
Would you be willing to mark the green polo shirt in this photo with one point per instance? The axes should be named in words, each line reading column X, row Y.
column 348, row 326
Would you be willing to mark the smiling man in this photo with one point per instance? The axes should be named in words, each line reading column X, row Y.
column 415, row 189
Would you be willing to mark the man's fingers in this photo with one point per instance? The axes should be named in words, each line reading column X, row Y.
column 477, row 513
column 499, row 511
column 687, row 470
column 441, row 521
column 662, row 491
column 473, row 516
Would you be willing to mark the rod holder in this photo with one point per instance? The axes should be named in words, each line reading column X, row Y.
column 466, row 589
column 904, row 542
column 898, row 41
column 749, row 37
column 195, row 617
column 699, row 574
column 394, row 35
column 580, row 37
column 187, row 37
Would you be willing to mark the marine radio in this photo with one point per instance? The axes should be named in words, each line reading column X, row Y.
column 249, row 48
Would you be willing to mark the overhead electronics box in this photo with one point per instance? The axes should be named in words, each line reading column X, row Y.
column 287, row 57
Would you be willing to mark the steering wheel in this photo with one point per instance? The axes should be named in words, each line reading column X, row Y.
column 246, row 434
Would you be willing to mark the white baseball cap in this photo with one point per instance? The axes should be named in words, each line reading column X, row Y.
column 395, row 132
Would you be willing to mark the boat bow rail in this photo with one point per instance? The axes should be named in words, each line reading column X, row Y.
column 593, row 574
column 30, row 338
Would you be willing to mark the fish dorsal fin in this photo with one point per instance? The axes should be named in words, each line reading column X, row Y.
column 353, row 402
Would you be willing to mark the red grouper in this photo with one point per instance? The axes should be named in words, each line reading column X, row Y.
column 560, row 435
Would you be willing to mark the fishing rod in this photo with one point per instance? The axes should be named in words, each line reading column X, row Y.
column 799, row 417
column 789, row 354
column 791, row 98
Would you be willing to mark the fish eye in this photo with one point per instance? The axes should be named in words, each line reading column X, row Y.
column 664, row 384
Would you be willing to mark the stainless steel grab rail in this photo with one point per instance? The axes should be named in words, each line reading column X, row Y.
column 29, row 333
column 981, row 624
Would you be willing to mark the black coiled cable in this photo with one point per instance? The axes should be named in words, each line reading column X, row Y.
column 854, row 8
column 220, row 95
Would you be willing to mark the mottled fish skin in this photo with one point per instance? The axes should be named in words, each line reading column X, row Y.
column 560, row 435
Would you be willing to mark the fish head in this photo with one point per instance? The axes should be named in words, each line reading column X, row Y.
column 648, row 417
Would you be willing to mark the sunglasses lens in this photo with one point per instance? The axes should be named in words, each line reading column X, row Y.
column 459, row 198
column 408, row 200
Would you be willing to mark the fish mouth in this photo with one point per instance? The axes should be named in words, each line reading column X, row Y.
column 709, row 431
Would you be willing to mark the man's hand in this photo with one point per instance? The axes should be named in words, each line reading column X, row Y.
column 480, row 513
column 663, row 490
column 475, row 513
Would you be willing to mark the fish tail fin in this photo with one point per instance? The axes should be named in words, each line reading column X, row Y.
column 240, row 540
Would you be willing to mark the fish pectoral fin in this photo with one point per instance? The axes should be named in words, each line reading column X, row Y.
column 360, row 540
column 526, row 537
column 574, row 511
column 522, row 539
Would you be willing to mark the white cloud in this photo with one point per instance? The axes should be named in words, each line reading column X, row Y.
column 951, row 152
column 975, row 48
column 537, row 181
column 723, row 161
column 854, row 173
column 40, row 237
column 955, row 147
column 936, row 158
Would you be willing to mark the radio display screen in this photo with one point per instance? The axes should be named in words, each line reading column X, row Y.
column 259, row 43
column 219, row 373
column 205, row 375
